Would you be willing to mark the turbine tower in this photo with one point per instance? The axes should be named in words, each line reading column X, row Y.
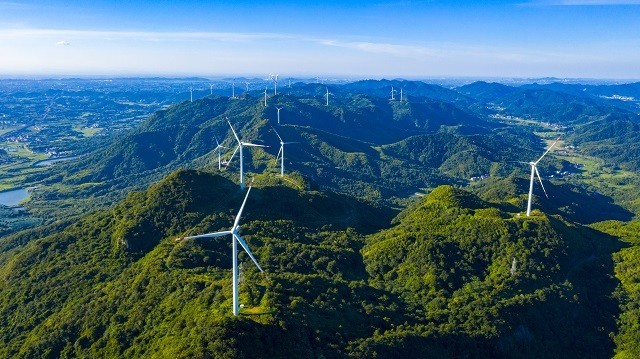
column 235, row 239
column 233, row 89
column 534, row 172
column 401, row 98
column 239, row 147
column 279, row 108
column 210, row 89
column 247, row 86
column 281, row 152
column 191, row 93
column 392, row 93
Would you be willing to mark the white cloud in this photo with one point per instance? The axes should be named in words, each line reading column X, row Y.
column 63, row 43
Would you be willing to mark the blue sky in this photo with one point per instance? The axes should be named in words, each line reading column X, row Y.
column 394, row 38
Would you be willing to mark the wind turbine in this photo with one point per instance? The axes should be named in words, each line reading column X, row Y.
column 210, row 89
column 401, row 99
column 327, row 96
column 235, row 239
column 191, row 93
column 281, row 152
column 534, row 171
column 279, row 108
column 392, row 92
column 265, row 96
column 218, row 148
column 239, row 147
column 247, row 86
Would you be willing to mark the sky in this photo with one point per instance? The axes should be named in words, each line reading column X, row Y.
column 347, row 39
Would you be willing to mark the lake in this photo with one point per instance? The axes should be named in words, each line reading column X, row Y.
column 54, row 160
column 14, row 197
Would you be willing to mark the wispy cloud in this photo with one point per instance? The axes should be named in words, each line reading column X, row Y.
column 63, row 43
column 581, row 2
column 381, row 47
column 135, row 35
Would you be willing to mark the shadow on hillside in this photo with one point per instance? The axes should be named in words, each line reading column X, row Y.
column 579, row 205
column 577, row 322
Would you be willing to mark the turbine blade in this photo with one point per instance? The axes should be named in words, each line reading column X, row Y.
column 208, row 235
column 287, row 143
column 234, row 131
column 274, row 130
column 237, row 221
column 217, row 143
column 246, row 249
column 252, row 144
column 233, row 154
column 540, row 179
column 279, row 152
column 548, row 149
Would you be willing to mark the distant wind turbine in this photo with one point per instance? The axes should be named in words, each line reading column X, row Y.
column 191, row 93
column 327, row 96
column 401, row 98
column 265, row 96
column 392, row 93
column 233, row 89
column 247, row 86
column 534, row 172
column 241, row 144
column 235, row 239
column 210, row 89
column 279, row 108
column 281, row 152
column 218, row 148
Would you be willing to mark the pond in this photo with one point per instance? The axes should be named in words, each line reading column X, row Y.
column 13, row 197
column 54, row 160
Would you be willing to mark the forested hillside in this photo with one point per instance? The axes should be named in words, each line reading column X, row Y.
column 440, row 282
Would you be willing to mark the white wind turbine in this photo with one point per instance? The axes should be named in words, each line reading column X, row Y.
column 218, row 148
column 246, row 83
column 210, row 89
column 281, row 152
column 235, row 239
column 393, row 91
column 265, row 96
column 279, row 108
column 239, row 147
column 191, row 93
column 327, row 96
column 534, row 172
column 401, row 98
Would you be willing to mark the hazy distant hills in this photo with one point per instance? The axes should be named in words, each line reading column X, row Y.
column 364, row 145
